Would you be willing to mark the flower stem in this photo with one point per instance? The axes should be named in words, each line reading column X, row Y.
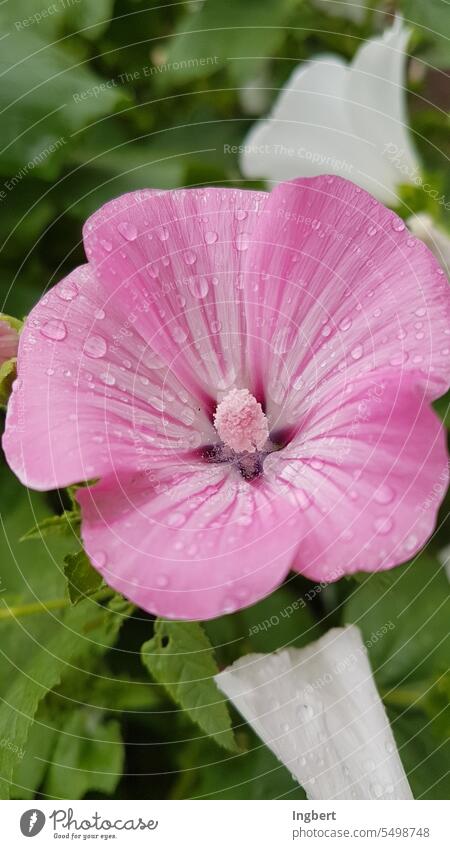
column 20, row 610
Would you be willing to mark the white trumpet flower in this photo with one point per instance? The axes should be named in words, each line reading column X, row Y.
column 317, row 708
column 346, row 119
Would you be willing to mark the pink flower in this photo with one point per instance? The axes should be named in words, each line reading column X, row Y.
column 249, row 375
column 9, row 340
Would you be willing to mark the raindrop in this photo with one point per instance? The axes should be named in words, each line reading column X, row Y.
column 384, row 494
column 179, row 335
column 357, row 352
column 372, row 230
column 163, row 234
column 99, row 559
column 397, row 224
column 100, row 314
column 108, row 379
column 54, row 329
column 198, row 287
column 95, row 347
column 383, row 525
column 345, row 324
column 216, row 326
column 242, row 241
column 128, row 230
column 210, row 237
column 175, row 520
column 411, row 542
column 67, row 291
column 162, row 581
column 190, row 257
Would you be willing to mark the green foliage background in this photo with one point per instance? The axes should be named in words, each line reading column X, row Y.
column 96, row 698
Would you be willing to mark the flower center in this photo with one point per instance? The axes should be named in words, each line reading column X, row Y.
column 240, row 422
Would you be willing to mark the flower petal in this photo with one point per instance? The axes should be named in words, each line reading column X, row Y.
column 188, row 543
column 9, row 340
column 344, row 119
column 318, row 710
column 362, row 469
column 174, row 261
column 91, row 396
column 341, row 288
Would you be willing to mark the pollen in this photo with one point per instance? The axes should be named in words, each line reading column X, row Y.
column 240, row 422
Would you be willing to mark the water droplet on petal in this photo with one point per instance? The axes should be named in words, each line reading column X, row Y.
column 242, row 241
column 175, row 520
column 198, row 287
column 179, row 335
column 108, row 379
column 345, row 324
column 67, row 291
column 241, row 214
column 162, row 581
column 128, row 230
column 99, row 314
column 383, row 525
column 411, row 542
column 163, row 234
column 98, row 559
column 210, row 237
column 95, row 347
column 357, row 352
column 106, row 245
column 372, row 230
column 190, row 257
column 54, row 329
column 397, row 224
column 384, row 494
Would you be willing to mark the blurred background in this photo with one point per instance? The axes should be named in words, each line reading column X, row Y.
column 99, row 97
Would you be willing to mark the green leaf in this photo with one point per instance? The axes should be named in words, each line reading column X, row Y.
column 67, row 524
column 404, row 646
column 7, row 378
column 403, row 615
column 82, row 579
column 425, row 760
column 431, row 18
column 254, row 773
column 88, row 756
column 55, row 19
column 33, row 762
column 46, row 96
column 181, row 658
column 234, row 33
column 79, row 632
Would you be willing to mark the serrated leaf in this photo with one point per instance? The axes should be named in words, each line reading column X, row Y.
column 82, row 579
column 181, row 658
column 72, row 638
column 67, row 523
column 88, row 756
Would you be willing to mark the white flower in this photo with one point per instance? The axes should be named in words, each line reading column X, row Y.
column 350, row 120
column 319, row 711
column 354, row 11
column 422, row 226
